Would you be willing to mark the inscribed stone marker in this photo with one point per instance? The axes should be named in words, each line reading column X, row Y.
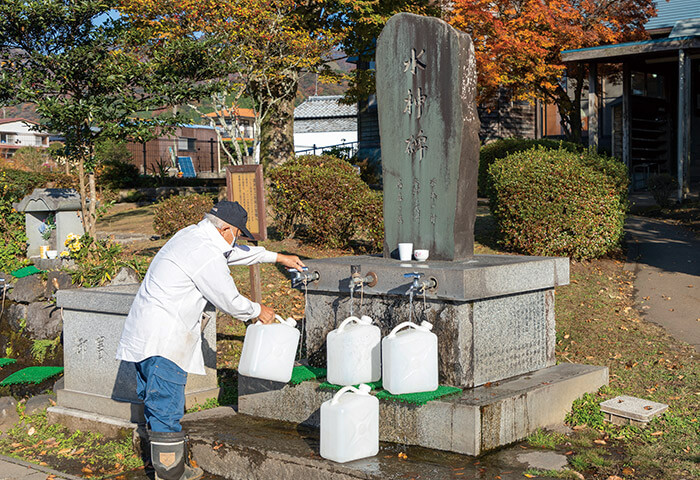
column 426, row 89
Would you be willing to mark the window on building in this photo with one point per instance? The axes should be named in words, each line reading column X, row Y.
column 648, row 85
column 189, row 144
column 38, row 141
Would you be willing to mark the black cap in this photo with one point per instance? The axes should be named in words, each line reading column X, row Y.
column 233, row 214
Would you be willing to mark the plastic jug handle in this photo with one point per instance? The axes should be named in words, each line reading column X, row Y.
column 341, row 327
column 425, row 326
column 363, row 389
column 290, row 322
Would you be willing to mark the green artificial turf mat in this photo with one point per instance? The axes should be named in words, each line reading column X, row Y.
column 7, row 361
column 32, row 375
column 26, row 271
column 419, row 398
column 303, row 373
column 332, row 386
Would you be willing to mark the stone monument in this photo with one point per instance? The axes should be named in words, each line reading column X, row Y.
column 493, row 314
column 63, row 204
column 99, row 391
column 426, row 92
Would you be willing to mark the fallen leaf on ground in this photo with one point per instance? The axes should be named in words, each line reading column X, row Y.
column 628, row 471
column 87, row 470
column 600, row 442
column 614, row 477
column 656, row 434
column 31, row 431
column 579, row 427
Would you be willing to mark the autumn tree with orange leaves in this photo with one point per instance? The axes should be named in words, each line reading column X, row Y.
column 518, row 44
column 259, row 46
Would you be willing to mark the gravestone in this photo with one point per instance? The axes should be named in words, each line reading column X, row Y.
column 429, row 128
column 96, row 383
column 63, row 204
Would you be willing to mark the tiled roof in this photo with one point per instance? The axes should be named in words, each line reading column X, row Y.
column 318, row 125
column 668, row 13
column 241, row 112
column 16, row 119
column 324, row 107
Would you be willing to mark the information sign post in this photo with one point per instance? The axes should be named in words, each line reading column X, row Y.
column 244, row 184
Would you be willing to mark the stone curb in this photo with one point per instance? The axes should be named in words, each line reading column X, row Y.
column 39, row 468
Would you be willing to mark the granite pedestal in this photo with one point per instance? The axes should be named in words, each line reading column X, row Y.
column 478, row 420
column 95, row 382
column 493, row 314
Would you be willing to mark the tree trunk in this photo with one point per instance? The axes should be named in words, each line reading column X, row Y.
column 83, row 198
column 93, row 204
column 277, row 129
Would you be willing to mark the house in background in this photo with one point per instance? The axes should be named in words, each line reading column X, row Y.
column 322, row 122
column 198, row 142
column 245, row 117
column 651, row 120
column 16, row 133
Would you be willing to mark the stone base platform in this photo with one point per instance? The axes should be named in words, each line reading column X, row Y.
column 481, row 419
column 241, row 447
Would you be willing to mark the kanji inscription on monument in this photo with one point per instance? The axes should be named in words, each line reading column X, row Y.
column 426, row 89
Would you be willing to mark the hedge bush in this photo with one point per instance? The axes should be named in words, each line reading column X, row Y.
column 502, row 148
column 661, row 186
column 327, row 197
column 553, row 202
column 177, row 212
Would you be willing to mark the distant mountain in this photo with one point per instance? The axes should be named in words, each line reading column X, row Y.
column 24, row 110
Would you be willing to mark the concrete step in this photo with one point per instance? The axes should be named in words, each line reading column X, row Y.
column 237, row 446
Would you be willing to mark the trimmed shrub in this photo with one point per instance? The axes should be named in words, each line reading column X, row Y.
column 661, row 186
column 177, row 212
column 502, row 148
column 326, row 195
column 551, row 202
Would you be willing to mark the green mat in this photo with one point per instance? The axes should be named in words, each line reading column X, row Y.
column 332, row 386
column 32, row 375
column 7, row 361
column 303, row 373
column 419, row 398
column 26, row 271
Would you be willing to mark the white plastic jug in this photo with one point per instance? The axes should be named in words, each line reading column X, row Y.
column 269, row 350
column 350, row 425
column 353, row 352
column 410, row 359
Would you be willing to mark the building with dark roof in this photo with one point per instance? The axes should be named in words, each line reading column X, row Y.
column 16, row 133
column 321, row 122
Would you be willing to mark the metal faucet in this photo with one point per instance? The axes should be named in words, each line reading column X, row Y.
column 357, row 280
column 303, row 277
column 417, row 285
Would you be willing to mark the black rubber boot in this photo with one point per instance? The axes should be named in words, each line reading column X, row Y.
column 169, row 458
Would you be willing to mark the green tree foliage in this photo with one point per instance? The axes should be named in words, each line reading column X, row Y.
column 66, row 57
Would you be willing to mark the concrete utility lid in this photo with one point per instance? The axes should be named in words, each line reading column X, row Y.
column 633, row 408
column 49, row 200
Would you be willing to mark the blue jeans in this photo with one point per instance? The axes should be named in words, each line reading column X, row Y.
column 160, row 383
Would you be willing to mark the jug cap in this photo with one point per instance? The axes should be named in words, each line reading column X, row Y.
column 366, row 319
column 427, row 325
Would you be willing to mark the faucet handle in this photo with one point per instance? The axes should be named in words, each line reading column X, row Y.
column 413, row 275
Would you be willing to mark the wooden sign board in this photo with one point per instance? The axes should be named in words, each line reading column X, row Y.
column 244, row 184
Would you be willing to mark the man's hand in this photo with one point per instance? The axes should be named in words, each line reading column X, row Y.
column 267, row 315
column 290, row 261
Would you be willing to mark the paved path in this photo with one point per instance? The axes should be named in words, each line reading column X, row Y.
column 14, row 469
column 666, row 261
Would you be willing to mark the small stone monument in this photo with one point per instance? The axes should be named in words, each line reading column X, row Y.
column 426, row 92
column 99, row 390
column 61, row 204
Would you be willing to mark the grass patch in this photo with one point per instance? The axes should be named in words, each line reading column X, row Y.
column 544, row 439
column 535, row 473
column 82, row 453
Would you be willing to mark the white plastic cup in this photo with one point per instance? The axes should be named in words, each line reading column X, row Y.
column 405, row 252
